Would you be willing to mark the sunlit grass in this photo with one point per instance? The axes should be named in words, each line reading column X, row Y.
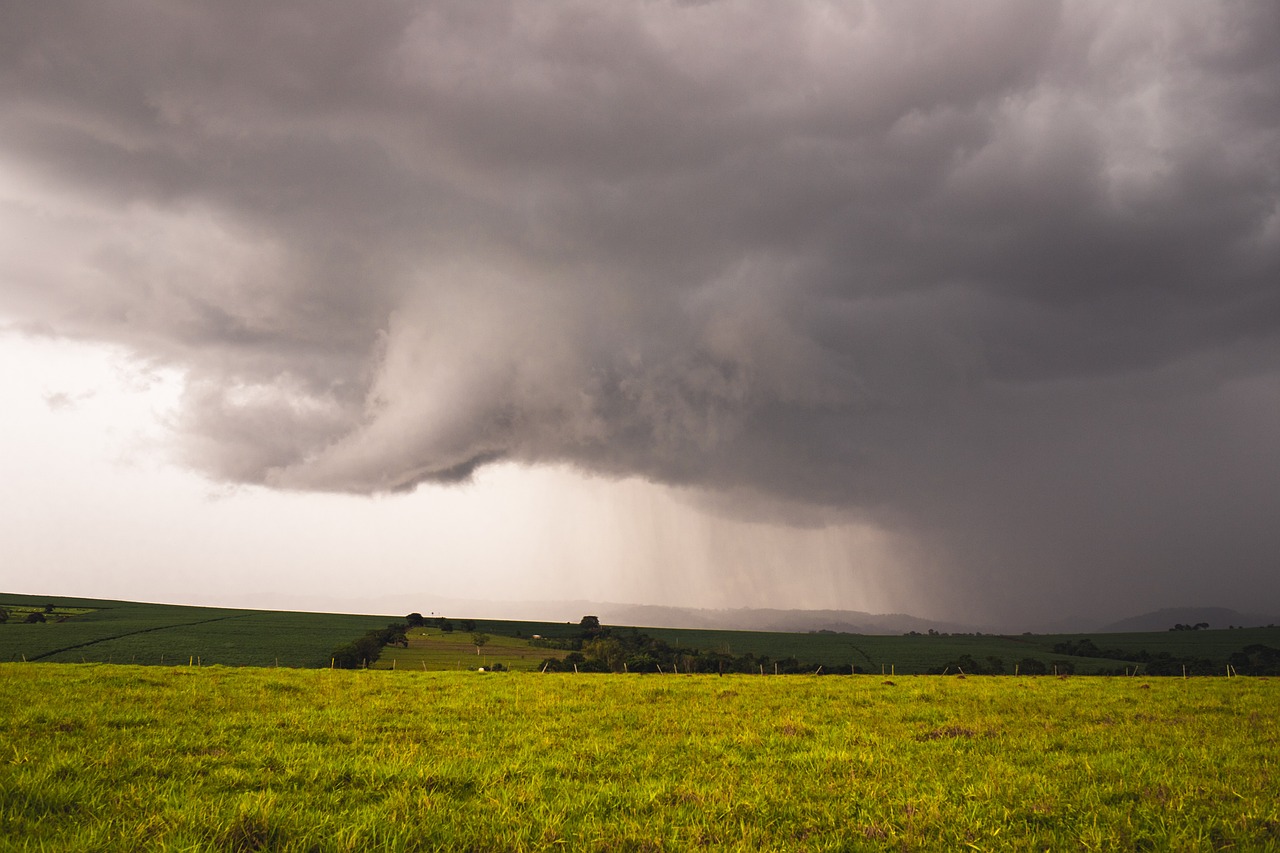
column 433, row 649
column 119, row 757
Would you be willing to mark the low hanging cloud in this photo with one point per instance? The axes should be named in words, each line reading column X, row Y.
column 999, row 276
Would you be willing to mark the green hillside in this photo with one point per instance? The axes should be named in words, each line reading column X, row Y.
column 97, row 631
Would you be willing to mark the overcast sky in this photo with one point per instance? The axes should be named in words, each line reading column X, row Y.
column 970, row 310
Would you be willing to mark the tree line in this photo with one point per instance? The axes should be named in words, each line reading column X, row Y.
column 1254, row 659
column 597, row 648
column 364, row 650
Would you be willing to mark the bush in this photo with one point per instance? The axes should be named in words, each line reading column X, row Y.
column 1256, row 659
column 1032, row 666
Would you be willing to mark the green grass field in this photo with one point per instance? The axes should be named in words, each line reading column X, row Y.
column 110, row 757
column 434, row 650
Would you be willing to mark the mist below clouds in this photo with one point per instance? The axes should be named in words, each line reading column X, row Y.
column 995, row 282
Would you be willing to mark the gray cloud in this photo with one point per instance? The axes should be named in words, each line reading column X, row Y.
column 998, row 275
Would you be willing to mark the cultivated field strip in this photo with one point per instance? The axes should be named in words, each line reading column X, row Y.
column 110, row 638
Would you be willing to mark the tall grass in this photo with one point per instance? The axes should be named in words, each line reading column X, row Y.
column 102, row 757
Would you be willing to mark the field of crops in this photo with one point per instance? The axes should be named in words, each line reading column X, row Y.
column 99, row 757
column 920, row 653
column 93, row 631
column 887, row 654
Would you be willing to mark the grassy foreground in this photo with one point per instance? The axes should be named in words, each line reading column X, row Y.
column 103, row 757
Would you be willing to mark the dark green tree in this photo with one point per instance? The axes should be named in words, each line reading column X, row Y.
column 608, row 650
column 590, row 626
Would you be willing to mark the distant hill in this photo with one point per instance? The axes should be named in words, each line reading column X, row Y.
column 1163, row 620
column 639, row 615
column 766, row 619
column 743, row 619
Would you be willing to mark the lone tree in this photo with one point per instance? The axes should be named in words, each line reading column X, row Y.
column 590, row 626
column 479, row 640
column 414, row 620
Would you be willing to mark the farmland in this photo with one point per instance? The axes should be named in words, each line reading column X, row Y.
column 102, row 631
column 94, row 631
column 97, row 631
column 918, row 654
column 214, row 758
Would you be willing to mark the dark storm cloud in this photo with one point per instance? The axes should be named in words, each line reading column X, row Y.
column 999, row 275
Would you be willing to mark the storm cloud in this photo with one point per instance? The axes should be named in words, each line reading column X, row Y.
column 1001, row 278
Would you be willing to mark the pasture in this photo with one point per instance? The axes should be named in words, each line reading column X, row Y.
column 433, row 650
column 101, row 757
